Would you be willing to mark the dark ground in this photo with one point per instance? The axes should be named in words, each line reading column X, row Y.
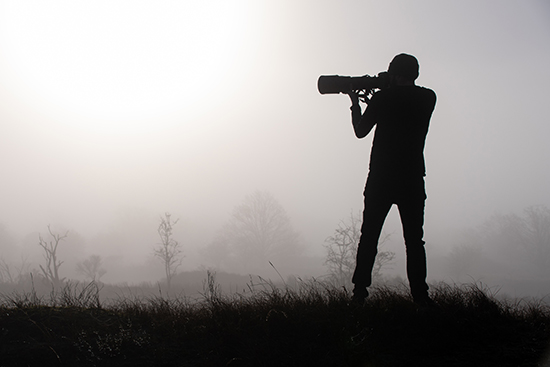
column 312, row 326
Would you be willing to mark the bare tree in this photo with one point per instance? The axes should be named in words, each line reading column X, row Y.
column 51, row 268
column 13, row 274
column 342, row 248
column 169, row 250
column 537, row 235
column 91, row 268
column 5, row 272
column 521, row 238
column 259, row 231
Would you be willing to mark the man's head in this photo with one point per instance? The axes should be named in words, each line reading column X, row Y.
column 404, row 66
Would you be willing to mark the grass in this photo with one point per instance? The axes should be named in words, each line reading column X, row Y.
column 313, row 325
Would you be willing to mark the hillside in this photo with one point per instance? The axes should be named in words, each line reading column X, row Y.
column 313, row 325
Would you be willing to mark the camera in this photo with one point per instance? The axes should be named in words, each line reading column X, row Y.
column 334, row 84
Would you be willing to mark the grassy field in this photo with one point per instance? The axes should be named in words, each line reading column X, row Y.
column 313, row 325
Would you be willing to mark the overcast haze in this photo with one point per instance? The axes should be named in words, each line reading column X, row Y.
column 112, row 110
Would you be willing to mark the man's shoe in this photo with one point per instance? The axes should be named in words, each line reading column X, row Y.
column 359, row 295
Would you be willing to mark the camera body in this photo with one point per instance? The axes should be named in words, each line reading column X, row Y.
column 334, row 84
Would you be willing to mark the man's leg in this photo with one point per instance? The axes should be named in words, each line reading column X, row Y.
column 411, row 211
column 377, row 206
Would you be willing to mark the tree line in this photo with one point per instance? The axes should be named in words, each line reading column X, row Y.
column 259, row 233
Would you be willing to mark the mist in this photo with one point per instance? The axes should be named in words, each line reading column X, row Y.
column 111, row 116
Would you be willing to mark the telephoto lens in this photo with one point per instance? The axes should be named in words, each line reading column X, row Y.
column 334, row 84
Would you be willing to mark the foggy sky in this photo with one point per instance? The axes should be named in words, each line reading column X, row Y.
column 146, row 107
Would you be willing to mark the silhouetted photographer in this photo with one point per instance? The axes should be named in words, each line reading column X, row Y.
column 401, row 113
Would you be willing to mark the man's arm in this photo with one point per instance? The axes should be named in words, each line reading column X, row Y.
column 362, row 123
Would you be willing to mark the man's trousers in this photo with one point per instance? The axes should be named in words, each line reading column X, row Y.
column 409, row 195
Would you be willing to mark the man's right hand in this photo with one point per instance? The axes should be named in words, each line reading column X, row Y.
column 354, row 96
